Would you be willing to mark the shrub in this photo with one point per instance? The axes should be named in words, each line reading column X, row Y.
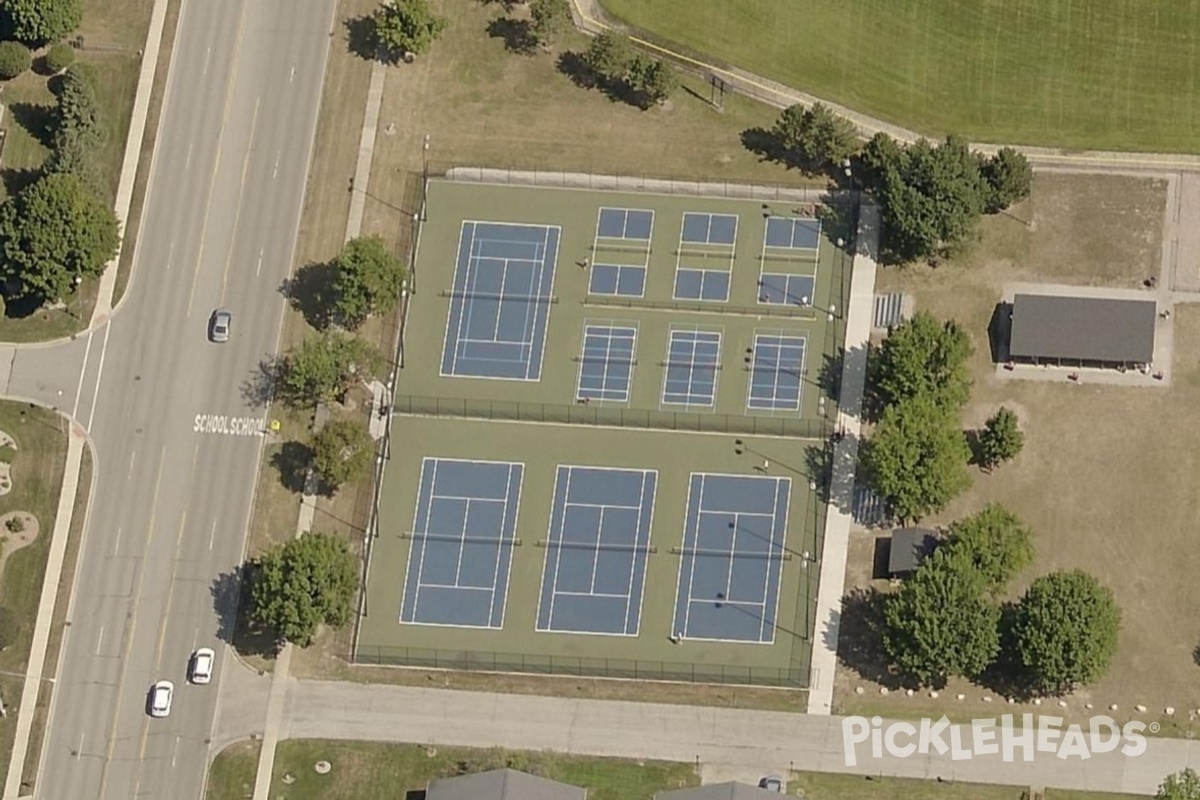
column 14, row 59
column 15, row 525
column 60, row 56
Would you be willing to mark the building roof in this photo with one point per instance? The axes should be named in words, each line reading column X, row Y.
column 1083, row 328
column 502, row 784
column 909, row 548
column 719, row 791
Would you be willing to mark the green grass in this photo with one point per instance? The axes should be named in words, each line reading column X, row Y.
column 822, row 786
column 1119, row 76
column 37, row 472
column 375, row 771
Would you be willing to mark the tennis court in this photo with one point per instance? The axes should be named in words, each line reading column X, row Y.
column 791, row 251
column 606, row 363
column 693, row 361
column 704, row 258
column 776, row 373
column 621, row 251
column 462, row 541
column 500, row 303
column 733, row 554
column 596, row 550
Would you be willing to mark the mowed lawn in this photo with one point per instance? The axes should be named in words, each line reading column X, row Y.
column 1111, row 75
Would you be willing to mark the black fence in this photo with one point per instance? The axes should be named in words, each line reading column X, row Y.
column 427, row 658
column 563, row 414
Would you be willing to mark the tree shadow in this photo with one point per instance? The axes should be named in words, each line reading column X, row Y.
column 860, row 638
column 259, row 388
column 1000, row 332
column 360, row 37
column 978, row 458
column 36, row 119
column 763, row 144
column 575, row 67
column 1006, row 675
column 292, row 461
column 1196, row 655
column 311, row 292
column 18, row 305
column 517, row 35
column 231, row 604
column 15, row 179
column 507, row 5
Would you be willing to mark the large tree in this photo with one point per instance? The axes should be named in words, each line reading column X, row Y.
column 922, row 356
column 302, row 584
column 367, row 280
column 342, row 451
column 547, row 19
column 940, row 623
column 406, row 26
column 917, row 458
column 324, row 367
column 1009, row 179
column 53, row 232
column 1066, row 630
column 1183, row 785
column 608, row 56
column 39, row 21
column 651, row 79
column 995, row 541
column 1001, row 438
column 814, row 137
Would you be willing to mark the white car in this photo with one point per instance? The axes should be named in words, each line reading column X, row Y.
column 160, row 698
column 201, row 669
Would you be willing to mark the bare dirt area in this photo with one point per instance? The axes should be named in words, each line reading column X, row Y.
column 1105, row 478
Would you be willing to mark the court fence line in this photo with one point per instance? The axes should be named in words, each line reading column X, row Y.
column 792, row 677
column 563, row 414
column 796, row 311
column 635, row 183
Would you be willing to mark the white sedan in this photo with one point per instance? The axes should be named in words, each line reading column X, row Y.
column 202, row 665
column 160, row 698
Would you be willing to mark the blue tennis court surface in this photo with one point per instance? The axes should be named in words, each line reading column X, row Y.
column 462, row 541
column 700, row 228
column 693, row 359
column 625, row 223
column 776, row 373
column 702, row 284
column 621, row 280
column 733, row 552
column 793, row 234
column 500, row 303
column 606, row 364
column 621, row 252
column 780, row 289
column 596, row 551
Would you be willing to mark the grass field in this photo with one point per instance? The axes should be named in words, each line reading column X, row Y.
column 1117, row 76
column 1104, row 478
column 372, row 771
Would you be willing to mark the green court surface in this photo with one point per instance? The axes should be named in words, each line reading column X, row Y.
column 539, row 421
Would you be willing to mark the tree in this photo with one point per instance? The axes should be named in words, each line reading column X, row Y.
column 15, row 60
column 608, row 56
column 995, row 542
column 324, row 367
column 916, row 460
column 368, row 277
column 342, row 451
column 940, row 623
column 75, row 154
column 1009, row 179
column 814, row 137
column 38, row 21
column 1066, row 630
column 60, row 56
column 548, row 18
column 77, row 110
column 1183, row 785
column 303, row 583
column 1001, row 438
column 55, row 231
column 406, row 26
column 881, row 156
column 922, row 356
column 653, row 81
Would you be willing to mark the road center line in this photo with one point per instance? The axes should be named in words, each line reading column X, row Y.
column 125, row 659
column 132, row 458
column 100, row 640
column 258, row 269
column 187, row 162
column 237, row 212
column 117, row 543
column 212, row 536
column 79, row 750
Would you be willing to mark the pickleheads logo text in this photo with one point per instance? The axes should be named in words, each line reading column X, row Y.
column 984, row 737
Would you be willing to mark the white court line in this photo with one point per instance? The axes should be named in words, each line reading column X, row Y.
column 781, row 527
column 462, row 543
column 450, row 315
column 512, row 534
column 694, row 529
column 600, row 595
column 562, row 522
column 418, row 536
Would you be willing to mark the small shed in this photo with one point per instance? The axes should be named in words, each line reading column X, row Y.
column 502, row 784
column 909, row 548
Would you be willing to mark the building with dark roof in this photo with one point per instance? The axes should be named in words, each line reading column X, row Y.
column 1082, row 331
column 719, row 791
column 909, row 548
column 502, row 784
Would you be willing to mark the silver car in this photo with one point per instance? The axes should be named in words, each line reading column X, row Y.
column 201, row 669
column 160, row 698
column 218, row 325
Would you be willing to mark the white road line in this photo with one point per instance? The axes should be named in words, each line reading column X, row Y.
column 292, row 77
column 207, row 59
column 258, row 269
column 187, row 163
column 99, row 375
column 79, row 750
column 82, row 374
column 132, row 458
column 100, row 640
column 117, row 543
column 212, row 536
column 174, row 752
column 170, row 253
column 275, row 169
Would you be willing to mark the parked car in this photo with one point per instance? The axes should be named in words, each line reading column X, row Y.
column 160, row 698
column 772, row 783
column 218, row 325
column 200, row 668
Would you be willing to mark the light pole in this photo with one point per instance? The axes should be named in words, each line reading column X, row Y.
column 425, row 178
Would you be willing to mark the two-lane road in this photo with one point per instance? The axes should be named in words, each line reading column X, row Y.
column 177, row 437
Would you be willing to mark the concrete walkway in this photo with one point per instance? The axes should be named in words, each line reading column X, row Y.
column 76, row 441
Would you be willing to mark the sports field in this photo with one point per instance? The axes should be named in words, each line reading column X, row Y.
column 1103, row 75
column 607, row 437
